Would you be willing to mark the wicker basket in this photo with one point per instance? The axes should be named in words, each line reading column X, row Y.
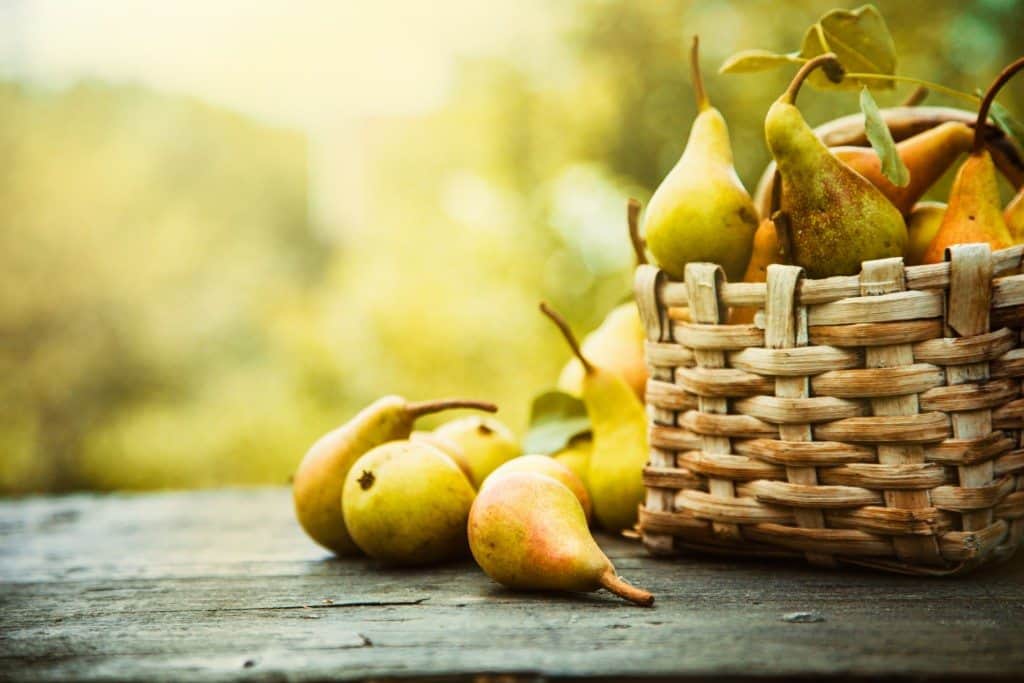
column 872, row 419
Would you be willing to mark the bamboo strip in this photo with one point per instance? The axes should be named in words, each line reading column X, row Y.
column 811, row 496
column 667, row 396
column 731, row 510
column 736, row 467
column 722, row 382
column 880, row 381
column 804, row 453
column 963, row 397
column 794, row 362
column 921, row 428
column 885, row 520
column 845, row 542
column 973, row 498
column 798, row 410
column 979, row 348
column 968, row 451
column 906, row 476
column 717, row 337
column 875, row 334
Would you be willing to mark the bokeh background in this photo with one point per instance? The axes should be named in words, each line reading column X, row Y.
column 225, row 226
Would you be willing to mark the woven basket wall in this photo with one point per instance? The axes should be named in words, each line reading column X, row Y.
column 873, row 419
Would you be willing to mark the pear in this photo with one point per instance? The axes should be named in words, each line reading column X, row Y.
column 576, row 455
column 1014, row 217
column 318, row 481
column 922, row 224
column 975, row 212
column 407, row 503
column 927, row 156
column 766, row 252
column 543, row 464
column 836, row 217
column 485, row 443
column 446, row 446
column 619, row 424
column 617, row 345
column 701, row 211
column 528, row 532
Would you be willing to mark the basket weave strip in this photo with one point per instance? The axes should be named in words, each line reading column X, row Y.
column 872, row 419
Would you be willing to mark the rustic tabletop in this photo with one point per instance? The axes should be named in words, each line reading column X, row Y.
column 223, row 585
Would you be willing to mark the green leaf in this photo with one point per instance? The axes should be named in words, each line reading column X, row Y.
column 880, row 137
column 750, row 61
column 555, row 418
column 861, row 41
column 1009, row 124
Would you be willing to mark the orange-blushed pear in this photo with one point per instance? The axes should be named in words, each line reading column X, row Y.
column 548, row 466
column 318, row 481
column 527, row 531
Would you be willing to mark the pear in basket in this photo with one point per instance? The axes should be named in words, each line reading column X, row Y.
column 701, row 211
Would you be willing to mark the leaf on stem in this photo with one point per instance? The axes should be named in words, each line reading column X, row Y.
column 750, row 61
column 861, row 41
column 880, row 137
column 555, row 418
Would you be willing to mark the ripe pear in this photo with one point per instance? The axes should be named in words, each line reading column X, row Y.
column 922, row 224
column 619, row 424
column 836, row 217
column 318, row 481
column 446, row 446
column 617, row 345
column 407, row 503
column 766, row 252
column 701, row 211
column 485, row 443
column 576, row 455
column 1014, row 217
column 527, row 531
column 543, row 464
column 975, row 213
column 927, row 156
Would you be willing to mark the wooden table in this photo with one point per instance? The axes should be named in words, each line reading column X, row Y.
column 223, row 585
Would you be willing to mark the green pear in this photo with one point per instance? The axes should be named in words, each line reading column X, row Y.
column 701, row 211
column 836, row 217
column 446, row 446
column 318, row 481
column 922, row 225
column 548, row 466
column 407, row 503
column 527, row 531
column 485, row 444
column 619, row 424
column 576, row 455
column 616, row 345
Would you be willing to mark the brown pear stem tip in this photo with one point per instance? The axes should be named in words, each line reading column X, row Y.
column 698, row 78
column 794, row 86
column 563, row 326
column 427, row 407
column 633, row 220
column 990, row 95
column 615, row 584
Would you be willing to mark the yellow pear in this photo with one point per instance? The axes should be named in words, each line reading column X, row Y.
column 576, row 455
column 543, row 464
column 701, row 211
column 528, row 531
column 922, row 224
column 407, row 503
column 1014, row 217
column 619, row 424
column 485, row 443
column 319, row 479
column 617, row 346
column 446, row 446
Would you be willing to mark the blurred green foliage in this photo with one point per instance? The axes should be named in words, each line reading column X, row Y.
column 171, row 314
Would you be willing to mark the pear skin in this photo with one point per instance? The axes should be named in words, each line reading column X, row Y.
column 1014, row 217
column 617, row 346
column 927, row 156
column 527, row 531
column 448, row 447
column 319, row 479
column 576, row 456
column 548, row 466
column 766, row 252
column 922, row 224
column 485, row 443
column 619, row 424
column 836, row 217
column 701, row 211
column 974, row 213
column 407, row 503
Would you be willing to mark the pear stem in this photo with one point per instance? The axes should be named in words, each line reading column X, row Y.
column 563, row 326
column 421, row 408
column 990, row 95
column 615, row 584
column 703, row 102
column 633, row 220
column 794, row 87
column 916, row 97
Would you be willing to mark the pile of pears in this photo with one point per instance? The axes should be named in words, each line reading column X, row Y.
column 832, row 208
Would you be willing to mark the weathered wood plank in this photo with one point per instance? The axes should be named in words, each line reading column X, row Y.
column 222, row 585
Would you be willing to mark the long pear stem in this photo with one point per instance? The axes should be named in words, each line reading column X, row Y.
column 698, row 79
column 794, row 86
column 415, row 410
column 616, row 585
column 990, row 95
column 633, row 220
column 563, row 326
